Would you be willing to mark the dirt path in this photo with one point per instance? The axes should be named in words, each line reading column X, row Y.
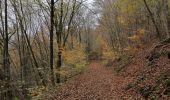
column 96, row 83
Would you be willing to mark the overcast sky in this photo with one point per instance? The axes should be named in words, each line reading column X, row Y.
column 90, row 1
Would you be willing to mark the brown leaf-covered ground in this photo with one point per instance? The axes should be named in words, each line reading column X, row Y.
column 99, row 82
column 96, row 83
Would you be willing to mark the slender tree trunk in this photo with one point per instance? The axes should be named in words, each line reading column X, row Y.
column 167, row 14
column 6, row 57
column 51, row 43
column 59, row 63
column 59, row 39
column 1, row 19
column 152, row 18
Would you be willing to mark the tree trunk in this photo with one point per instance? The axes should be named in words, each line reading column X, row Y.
column 6, row 62
column 59, row 40
column 152, row 18
column 59, row 63
column 167, row 13
column 51, row 43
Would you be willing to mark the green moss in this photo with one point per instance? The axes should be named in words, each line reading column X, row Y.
column 124, row 60
column 165, row 53
column 153, row 97
column 153, row 55
column 164, row 76
column 167, row 91
column 146, row 91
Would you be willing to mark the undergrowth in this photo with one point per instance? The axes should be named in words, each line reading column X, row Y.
column 74, row 63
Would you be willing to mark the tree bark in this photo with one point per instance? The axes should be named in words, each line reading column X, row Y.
column 51, row 43
column 6, row 57
column 59, row 39
column 152, row 18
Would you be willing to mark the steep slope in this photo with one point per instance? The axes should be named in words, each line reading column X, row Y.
column 149, row 72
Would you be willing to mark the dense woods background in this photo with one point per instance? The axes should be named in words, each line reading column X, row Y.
column 43, row 43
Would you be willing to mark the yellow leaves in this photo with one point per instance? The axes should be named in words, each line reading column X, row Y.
column 74, row 62
column 134, row 38
column 122, row 20
column 139, row 34
column 62, row 72
column 128, row 6
column 135, row 41
column 36, row 91
column 109, row 54
column 100, row 43
column 132, row 49
column 141, row 31
column 127, row 48
column 99, row 40
column 74, row 56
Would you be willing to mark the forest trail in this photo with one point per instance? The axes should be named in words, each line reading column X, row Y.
column 97, row 82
